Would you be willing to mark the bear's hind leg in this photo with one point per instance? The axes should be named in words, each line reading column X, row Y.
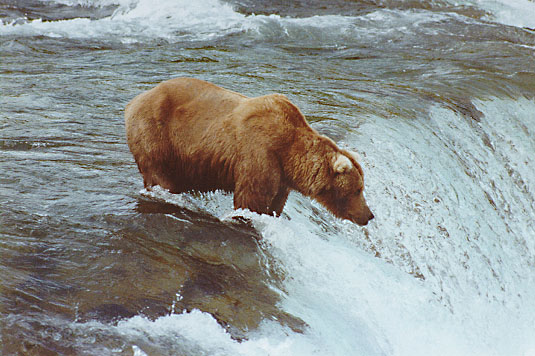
column 154, row 176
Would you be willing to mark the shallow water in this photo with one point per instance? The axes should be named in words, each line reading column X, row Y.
column 438, row 99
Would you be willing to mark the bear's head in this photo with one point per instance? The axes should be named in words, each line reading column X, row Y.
column 343, row 196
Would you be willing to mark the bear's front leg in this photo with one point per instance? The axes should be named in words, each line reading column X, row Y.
column 260, row 190
column 277, row 205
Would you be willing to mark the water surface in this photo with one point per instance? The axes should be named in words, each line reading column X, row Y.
column 437, row 97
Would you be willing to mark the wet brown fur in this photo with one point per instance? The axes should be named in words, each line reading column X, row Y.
column 189, row 135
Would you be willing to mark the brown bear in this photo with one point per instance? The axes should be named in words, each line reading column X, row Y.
column 190, row 135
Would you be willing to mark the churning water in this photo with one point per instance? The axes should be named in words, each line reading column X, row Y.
column 436, row 96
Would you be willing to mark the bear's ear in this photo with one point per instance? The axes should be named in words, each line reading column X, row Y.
column 342, row 164
column 355, row 155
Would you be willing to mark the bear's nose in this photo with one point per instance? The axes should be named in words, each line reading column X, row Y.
column 371, row 216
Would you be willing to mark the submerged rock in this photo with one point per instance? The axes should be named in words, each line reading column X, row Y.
column 158, row 261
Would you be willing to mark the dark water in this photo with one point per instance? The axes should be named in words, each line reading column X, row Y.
column 438, row 98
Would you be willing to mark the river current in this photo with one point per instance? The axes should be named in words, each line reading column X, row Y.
column 437, row 97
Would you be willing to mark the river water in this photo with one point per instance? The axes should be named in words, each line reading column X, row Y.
column 438, row 97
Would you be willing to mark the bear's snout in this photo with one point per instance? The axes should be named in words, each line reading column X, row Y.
column 370, row 217
column 363, row 220
column 361, row 213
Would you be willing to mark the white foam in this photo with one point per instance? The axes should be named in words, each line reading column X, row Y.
column 90, row 3
column 183, row 20
column 217, row 203
column 519, row 13
column 191, row 332
column 433, row 213
column 142, row 20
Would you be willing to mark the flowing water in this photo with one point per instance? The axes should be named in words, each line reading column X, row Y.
column 438, row 97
